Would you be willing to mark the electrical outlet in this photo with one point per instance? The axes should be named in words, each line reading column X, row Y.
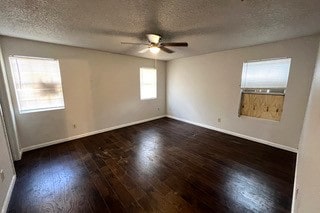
column 219, row 120
column 2, row 175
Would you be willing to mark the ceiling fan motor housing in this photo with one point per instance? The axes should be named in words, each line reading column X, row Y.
column 153, row 38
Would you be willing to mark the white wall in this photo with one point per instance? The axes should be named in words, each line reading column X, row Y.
column 308, row 169
column 204, row 88
column 101, row 90
column 8, row 111
column 7, row 166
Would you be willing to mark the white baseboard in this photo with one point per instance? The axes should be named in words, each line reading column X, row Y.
column 280, row 146
column 8, row 196
column 25, row 149
column 20, row 154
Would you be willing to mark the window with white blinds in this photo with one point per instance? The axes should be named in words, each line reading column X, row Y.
column 37, row 83
column 148, row 83
column 266, row 74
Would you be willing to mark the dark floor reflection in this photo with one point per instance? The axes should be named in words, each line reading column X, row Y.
column 158, row 166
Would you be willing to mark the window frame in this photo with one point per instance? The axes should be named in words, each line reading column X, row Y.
column 262, row 91
column 275, row 90
column 16, row 92
column 156, row 83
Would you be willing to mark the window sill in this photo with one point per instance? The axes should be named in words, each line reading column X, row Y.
column 146, row 99
column 258, row 119
column 40, row 110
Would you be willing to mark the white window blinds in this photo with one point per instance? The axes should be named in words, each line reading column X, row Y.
column 266, row 74
column 148, row 83
column 37, row 83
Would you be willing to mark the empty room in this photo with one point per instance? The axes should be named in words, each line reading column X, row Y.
column 160, row 106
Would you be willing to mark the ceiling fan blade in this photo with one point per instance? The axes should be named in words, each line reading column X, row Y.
column 153, row 38
column 175, row 44
column 134, row 43
column 167, row 50
column 144, row 50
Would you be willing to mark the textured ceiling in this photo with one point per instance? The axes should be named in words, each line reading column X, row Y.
column 208, row 25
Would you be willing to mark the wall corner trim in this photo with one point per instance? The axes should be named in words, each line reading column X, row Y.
column 29, row 148
column 8, row 196
column 269, row 143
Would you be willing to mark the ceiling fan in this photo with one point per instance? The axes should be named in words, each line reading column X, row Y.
column 154, row 44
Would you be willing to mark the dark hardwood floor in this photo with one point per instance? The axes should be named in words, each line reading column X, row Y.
column 158, row 166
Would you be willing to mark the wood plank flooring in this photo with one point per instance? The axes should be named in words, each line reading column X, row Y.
column 159, row 166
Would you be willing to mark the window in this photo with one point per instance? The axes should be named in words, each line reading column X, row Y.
column 37, row 83
column 263, row 87
column 268, row 74
column 148, row 83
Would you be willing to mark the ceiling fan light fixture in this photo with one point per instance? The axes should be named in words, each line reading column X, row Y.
column 154, row 50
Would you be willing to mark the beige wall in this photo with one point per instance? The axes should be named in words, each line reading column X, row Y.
column 204, row 88
column 308, row 169
column 101, row 90
column 5, row 164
